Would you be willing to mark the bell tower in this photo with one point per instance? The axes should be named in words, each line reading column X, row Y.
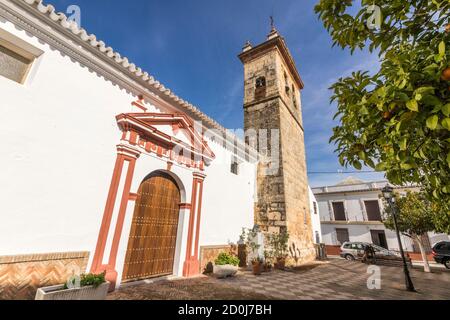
column 272, row 109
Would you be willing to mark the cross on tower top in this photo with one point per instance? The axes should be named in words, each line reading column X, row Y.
column 273, row 31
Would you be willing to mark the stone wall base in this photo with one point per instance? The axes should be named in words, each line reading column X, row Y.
column 21, row 276
column 208, row 255
column 303, row 255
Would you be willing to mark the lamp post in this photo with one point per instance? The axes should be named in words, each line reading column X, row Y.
column 388, row 194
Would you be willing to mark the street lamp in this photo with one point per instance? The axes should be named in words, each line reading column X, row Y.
column 388, row 194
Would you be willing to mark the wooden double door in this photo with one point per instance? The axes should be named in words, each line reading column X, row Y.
column 153, row 235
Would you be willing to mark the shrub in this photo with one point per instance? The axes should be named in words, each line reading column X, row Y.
column 89, row 279
column 279, row 244
column 92, row 279
column 226, row 258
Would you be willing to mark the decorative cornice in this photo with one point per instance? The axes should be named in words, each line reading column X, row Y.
column 199, row 175
column 128, row 150
column 318, row 192
column 143, row 124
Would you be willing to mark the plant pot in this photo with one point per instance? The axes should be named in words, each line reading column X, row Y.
column 280, row 264
column 84, row 293
column 267, row 267
column 257, row 268
column 224, row 271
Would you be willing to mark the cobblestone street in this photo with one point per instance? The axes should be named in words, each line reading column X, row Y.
column 335, row 280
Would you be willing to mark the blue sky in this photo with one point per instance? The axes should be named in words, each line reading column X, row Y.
column 192, row 46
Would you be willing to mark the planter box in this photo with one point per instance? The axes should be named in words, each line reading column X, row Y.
column 84, row 293
column 224, row 271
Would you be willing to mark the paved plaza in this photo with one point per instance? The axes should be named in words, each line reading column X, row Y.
column 335, row 279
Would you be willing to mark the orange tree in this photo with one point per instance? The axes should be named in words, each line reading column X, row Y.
column 396, row 120
column 415, row 219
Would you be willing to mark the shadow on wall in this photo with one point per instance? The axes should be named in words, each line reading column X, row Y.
column 21, row 276
column 295, row 252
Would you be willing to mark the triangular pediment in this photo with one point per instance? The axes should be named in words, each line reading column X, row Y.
column 166, row 130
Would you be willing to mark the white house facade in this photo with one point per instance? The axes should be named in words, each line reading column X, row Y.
column 315, row 218
column 353, row 211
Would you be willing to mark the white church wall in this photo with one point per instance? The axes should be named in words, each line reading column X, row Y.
column 228, row 200
column 60, row 136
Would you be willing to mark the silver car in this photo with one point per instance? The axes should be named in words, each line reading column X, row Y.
column 355, row 250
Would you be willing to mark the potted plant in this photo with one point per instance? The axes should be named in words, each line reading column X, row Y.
column 268, row 261
column 279, row 245
column 249, row 238
column 85, row 287
column 257, row 265
column 226, row 265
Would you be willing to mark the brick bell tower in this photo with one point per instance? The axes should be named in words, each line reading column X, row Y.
column 272, row 108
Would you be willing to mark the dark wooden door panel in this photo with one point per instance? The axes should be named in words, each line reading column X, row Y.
column 342, row 236
column 339, row 211
column 153, row 235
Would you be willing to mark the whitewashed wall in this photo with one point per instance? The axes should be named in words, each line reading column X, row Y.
column 358, row 228
column 59, row 138
column 315, row 218
column 227, row 203
column 353, row 203
column 361, row 233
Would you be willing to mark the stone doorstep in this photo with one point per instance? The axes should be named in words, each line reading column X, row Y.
column 152, row 280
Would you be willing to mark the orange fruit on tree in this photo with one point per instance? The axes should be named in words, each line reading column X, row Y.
column 447, row 28
column 446, row 74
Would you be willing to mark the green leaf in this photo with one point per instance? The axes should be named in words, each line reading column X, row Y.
column 381, row 166
column 446, row 110
column 448, row 159
column 362, row 155
column 357, row 165
column 425, row 90
column 431, row 100
column 406, row 166
column 442, row 48
column 432, row 122
column 402, row 96
column 403, row 144
column 435, row 194
column 363, row 110
column 446, row 123
column 412, row 105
